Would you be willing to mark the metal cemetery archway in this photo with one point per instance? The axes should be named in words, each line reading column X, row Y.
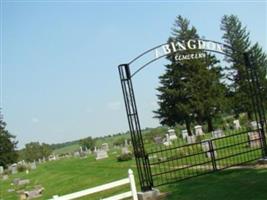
column 155, row 169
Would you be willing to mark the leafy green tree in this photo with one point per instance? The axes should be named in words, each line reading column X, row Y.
column 190, row 90
column 88, row 143
column 237, row 37
column 34, row 151
column 8, row 153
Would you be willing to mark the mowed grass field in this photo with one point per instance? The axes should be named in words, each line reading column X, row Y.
column 75, row 174
column 70, row 175
column 231, row 184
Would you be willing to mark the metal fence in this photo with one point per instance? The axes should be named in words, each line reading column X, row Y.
column 180, row 162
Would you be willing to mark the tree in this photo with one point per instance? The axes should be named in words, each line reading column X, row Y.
column 8, row 153
column 88, row 143
column 259, row 61
column 34, row 151
column 190, row 90
column 237, row 37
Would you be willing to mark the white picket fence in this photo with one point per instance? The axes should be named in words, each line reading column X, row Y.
column 130, row 180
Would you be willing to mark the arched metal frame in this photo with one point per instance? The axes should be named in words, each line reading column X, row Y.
column 141, row 156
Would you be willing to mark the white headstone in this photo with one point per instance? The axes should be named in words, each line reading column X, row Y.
column 167, row 141
column 14, row 169
column 52, row 157
column 105, row 147
column 191, row 139
column 125, row 150
column 1, row 170
column 184, row 134
column 236, row 124
column 101, row 155
column 217, row 133
column 125, row 142
column 95, row 150
column 158, row 140
column 33, row 166
column 206, row 148
column 77, row 154
column 254, row 125
column 198, row 130
column 254, row 140
column 172, row 134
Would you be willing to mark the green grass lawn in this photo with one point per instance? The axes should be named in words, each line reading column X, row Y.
column 75, row 174
column 238, row 184
column 71, row 175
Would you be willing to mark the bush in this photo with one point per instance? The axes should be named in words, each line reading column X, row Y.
column 125, row 157
column 21, row 168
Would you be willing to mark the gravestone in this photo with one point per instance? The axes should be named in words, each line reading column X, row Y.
column 125, row 150
column 23, row 182
column 101, row 154
column 5, row 177
column 105, row 147
column 35, row 193
column 126, row 143
column 16, row 181
column 167, row 141
column 254, row 140
column 198, row 130
column 14, row 169
column 33, row 166
column 191, row 139
column 254, row 125
column 184, row 134
column 52, row 157
column 77, row 154
column 206, row 148
column 1, row 170
column 236, row 124
column 11, row 190
column 158, row 140
column 95, row 151
column 217, row 133
column 172, row 134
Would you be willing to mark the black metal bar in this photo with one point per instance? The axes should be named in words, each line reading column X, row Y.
column 253, row 80
column 141, row 158
column 212, row 155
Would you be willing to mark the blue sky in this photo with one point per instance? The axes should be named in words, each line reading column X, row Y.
column 59, row 60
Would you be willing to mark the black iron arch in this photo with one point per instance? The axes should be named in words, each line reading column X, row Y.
column 141, row 156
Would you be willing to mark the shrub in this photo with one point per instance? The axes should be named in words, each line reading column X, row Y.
column 21, row 168
column 125, row 157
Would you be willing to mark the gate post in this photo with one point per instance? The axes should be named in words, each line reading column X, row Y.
column 141, row 158
column 256, row 99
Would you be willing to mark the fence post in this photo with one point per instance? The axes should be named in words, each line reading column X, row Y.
column 132, row 184
column 212, row 155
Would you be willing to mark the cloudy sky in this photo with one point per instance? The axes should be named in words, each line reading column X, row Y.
column 59, row 77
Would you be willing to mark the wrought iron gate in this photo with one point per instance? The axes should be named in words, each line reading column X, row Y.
column 164, row 165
